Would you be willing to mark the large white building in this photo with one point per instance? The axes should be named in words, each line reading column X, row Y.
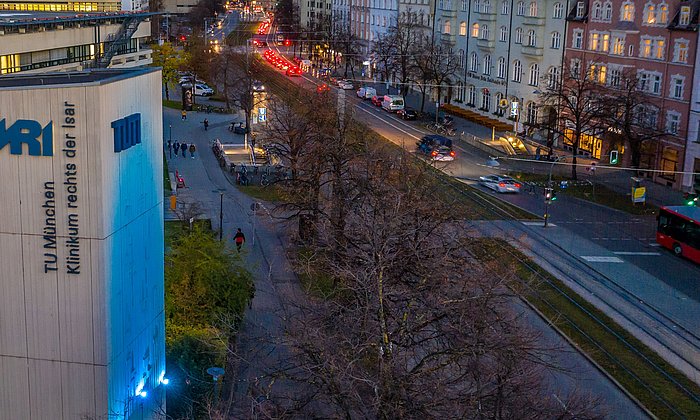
column 81, row 245
column 506, row 50
column 692, row 146
column 41, row 41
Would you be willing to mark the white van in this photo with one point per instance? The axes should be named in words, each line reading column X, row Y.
column 366, row 92
column 392, row 103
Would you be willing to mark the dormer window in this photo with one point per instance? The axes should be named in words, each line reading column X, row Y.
column 627, row 11
column 580, row 9
column 684, row 19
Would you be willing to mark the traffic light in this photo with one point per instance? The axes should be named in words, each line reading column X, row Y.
column 287, row 42
column 548, row 194
column 613, row 157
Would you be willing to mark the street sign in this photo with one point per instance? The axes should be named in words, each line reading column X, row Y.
column 514, row 109
column 639, row 194
column 262, row 114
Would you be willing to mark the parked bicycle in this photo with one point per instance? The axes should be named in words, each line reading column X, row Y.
column 441, row 129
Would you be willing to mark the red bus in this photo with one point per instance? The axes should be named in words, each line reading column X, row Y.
column 678, row 229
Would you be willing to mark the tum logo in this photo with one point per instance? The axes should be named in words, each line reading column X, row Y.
column 127, row 132
column 27, row 132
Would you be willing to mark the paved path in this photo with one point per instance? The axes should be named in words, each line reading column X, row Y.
column 264, row 252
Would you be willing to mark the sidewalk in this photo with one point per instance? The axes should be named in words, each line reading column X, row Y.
column 275, row 282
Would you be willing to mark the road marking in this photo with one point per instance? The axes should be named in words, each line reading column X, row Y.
column 654, row 244
column 389, row 123
column 593, row 258
column 635, row 253
column 538, row 224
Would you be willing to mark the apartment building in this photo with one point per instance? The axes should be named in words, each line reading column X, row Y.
column 505, row 50
column 657, row 41
column 692, row 150
column 315, row 15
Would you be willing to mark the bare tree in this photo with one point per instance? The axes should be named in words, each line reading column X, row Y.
column 384, row 51
column 404, row 36
column 632, row 115
column 577, row 101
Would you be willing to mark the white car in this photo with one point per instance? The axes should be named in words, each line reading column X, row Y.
column 346, row 85
column 200, row 89
column 501, row 184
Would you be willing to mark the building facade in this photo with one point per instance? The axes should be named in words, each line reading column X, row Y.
column 691, row 179
column 505, row 50
column 656, row 41
column 82, row 330
column 62, row 6
column 41, row 41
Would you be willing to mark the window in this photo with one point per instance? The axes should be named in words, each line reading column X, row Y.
column 659, row 49
column 684, row 19
column 465, row 5
column 553, row 76
column 463, row 28
column 485, row 100
column 518, row 35
column 607, row 11
column 677, row 83
column 477, row 6
column 503, row 34
column 597, row 10
column 505, row 7
column 577, row 39
column 630, row 51
column 531, row 113
column 575, row 68
column 447, row 27
column 673, row 122
column 501, row 68
column 662, row 14
column 485, row 34
column 475, row 30
column 531, row 38
column 649, row 14
column 645, row 47
column 647, row 116
column 533, row 8
column 558, row 11
column 534, row 79
column 556, row 40
column 472, row 95
column 649, row 82
column 594, row 42
column 627, row 11
column 461, row 59
column 521, row 8
column 517, row 71
column 580, row 9
column 680, row 51
column 615, row 77
column 474, row 62
column 602, row 74
column 618, row 47
column 605, row 45
column 487, row 65
column 486, row 6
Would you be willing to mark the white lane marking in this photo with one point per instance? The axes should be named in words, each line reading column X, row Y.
column 635, row 253
column 593, row 258
column 389, row 123
column 654, row 244
column 538, row 224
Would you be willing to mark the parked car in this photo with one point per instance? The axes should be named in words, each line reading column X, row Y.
column 366, row 92
column 407, row 113
column 293, row 72
column 237, row 127
column 346, row 85
column 258, row 86
column 377, row 100
column 439, row 148
column 200, row 89
column 322, row 88
column 184, row 80
column 393, row 103
column 501, row 184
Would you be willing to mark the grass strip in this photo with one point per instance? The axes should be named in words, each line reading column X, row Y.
column 243, row 32
column 169, row 103
column 586, row 326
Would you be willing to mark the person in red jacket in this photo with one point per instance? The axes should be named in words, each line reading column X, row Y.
column 239, row 238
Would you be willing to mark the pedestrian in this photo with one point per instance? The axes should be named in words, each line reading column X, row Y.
column 170, row 148
column 176, row 146
column 239, row 238
column 184, row 115
column 538, row 153
column 192, row 150
column 251, row 296
column 206, row 124
column 183, row 147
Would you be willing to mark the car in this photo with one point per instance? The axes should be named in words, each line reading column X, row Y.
column 346, row 85
column 184, row 80
column 366, row 92
column 407, row 113
column 439, row 148
column 237, row 127
column 258, row 86
column 377, row 100
column 294, row 72
column 501, row 184
column 322, row 88
column 200, row 89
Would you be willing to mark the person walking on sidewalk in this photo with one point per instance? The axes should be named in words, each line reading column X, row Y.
column 206, row 124
column 183, row 146
column 192, row 150
column 239, row 239
column 184, row 115
column 176, row 147
column 170, row 148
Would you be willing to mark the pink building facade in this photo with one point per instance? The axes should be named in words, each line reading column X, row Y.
column 657, row 41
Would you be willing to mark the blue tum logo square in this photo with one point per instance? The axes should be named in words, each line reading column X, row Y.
column 27, row 132
column 127, row 132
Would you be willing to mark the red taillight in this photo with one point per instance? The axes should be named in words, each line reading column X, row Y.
column 433, row 153
column 517, row 185
column 502, row 184
column 452, row 153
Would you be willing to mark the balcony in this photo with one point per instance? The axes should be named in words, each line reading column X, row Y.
column 448, row 38
column 487, row 17
column 534, row 21
column 485, row 44
column 533, row 51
